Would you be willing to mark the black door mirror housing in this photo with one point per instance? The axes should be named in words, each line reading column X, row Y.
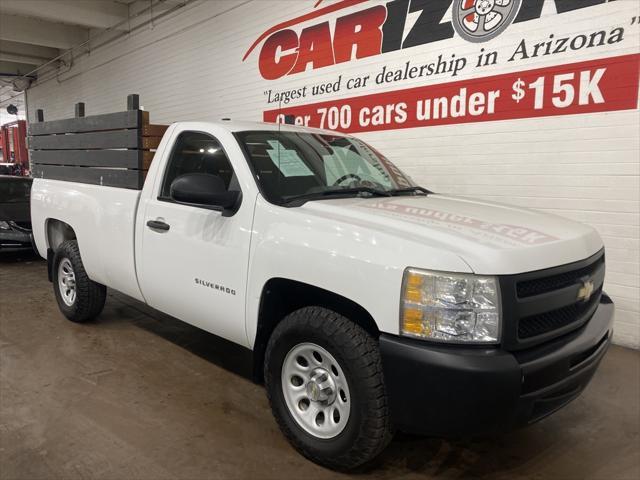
column 205, row 190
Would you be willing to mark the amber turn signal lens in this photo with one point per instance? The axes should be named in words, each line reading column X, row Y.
column 412, row 321
column 414, row 280
column 413, row 288
column 412, row 294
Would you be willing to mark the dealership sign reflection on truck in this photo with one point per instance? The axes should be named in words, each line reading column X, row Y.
column 327, row 36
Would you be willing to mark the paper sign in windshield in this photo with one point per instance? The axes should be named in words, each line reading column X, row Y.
column 287, row 161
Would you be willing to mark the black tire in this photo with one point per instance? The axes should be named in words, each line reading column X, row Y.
column 89, row 297
column 368, row 428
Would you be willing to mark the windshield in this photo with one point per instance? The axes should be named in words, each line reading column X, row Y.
column 292, row 165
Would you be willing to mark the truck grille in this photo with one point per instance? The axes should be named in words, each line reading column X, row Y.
column 538, row 286
column 548, row 321
column 539, row 306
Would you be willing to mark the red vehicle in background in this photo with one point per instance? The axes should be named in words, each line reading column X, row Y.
column 15, row 214
column 13, row 143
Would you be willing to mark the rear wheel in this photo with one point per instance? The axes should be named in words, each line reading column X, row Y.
column 324, row 381
column 79, row 298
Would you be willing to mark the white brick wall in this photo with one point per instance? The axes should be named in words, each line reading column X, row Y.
column 585, row 167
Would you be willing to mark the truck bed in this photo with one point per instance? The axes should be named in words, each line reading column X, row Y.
column 103, row 219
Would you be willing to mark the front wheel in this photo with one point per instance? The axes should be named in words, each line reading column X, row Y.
column 324, row 380
column 79, row 298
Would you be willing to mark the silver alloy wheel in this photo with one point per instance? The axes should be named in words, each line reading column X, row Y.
column 67, row 282
column 316, row 391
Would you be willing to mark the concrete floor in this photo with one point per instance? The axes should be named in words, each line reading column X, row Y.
column 139, row 395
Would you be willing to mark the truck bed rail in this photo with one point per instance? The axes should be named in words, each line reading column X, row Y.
column 113, row 149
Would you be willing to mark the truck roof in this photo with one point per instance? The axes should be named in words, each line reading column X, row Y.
column 242, row 126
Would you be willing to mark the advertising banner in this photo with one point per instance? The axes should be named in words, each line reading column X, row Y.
column 396, row 45
column 594, row 86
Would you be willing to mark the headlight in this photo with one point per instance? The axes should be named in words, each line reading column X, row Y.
column 450, row 307
column 4, row 226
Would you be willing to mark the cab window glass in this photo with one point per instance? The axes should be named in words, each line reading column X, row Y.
column 197, row 152
column 288, row 164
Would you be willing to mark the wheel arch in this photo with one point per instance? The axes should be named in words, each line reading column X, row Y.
column 57, row 232
column 281, row 296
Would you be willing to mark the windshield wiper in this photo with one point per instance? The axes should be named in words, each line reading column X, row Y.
column 416, row 189
column 338, row 192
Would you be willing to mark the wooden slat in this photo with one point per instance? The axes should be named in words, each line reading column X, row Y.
column 110, row 150
column 147, row 158
column 148, row 143
column 108, row 177
column 154, row 130
column 91, row 140
column 92, row 123
column 133, row 101
column 93, row 158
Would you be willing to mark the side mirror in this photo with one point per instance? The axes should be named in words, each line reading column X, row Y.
column 204, row 190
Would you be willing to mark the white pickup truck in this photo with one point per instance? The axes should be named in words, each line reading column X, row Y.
column 370, row 303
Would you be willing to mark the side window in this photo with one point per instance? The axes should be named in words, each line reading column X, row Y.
column 197, row 152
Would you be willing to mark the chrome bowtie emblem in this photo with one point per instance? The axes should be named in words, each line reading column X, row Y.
column 586, row 290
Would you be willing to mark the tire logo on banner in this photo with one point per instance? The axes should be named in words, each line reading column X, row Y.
column 482, row 20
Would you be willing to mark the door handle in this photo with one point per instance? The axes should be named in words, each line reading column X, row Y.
column 158, row 225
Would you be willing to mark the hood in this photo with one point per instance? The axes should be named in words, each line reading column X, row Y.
column 492, row 238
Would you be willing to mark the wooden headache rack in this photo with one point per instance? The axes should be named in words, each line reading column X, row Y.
column 113, row 150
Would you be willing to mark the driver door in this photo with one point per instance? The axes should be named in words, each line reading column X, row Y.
column 193, row 262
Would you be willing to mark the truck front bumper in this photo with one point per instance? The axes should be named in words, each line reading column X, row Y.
column 452, row 391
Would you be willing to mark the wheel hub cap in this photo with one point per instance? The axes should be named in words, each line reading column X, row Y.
column 67, row 282
column 321, row 387
column 316, row 390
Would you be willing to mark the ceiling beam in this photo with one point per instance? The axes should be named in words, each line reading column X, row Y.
column 18, row 58
column 135, row 6
column 10, row 69
column 88, row 14
column 38, row 32
column 25, row 53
